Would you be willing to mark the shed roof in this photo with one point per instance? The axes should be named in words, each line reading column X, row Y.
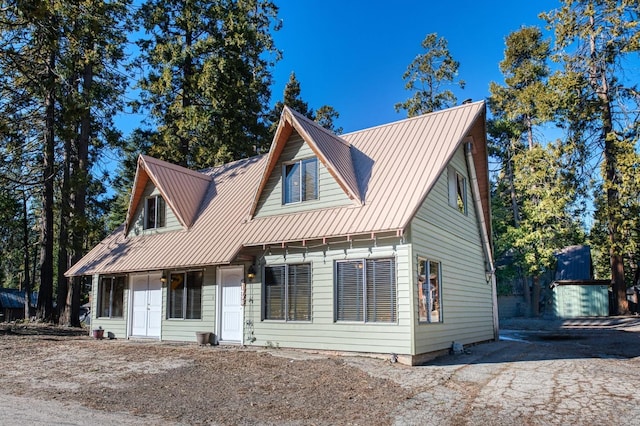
column 12, row 298
column 574, row 263
column 389, row 170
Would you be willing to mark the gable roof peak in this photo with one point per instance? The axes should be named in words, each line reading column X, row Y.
column 182, row 189
column 301, row 117
column 331, row 150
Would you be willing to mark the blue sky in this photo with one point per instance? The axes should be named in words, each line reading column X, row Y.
column 352, row 54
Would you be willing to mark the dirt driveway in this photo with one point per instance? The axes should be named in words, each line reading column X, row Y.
column 582, row 372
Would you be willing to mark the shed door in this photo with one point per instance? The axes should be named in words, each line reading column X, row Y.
column 146, row 301
column 231, row 312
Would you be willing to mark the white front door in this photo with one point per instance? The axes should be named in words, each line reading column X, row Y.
column 146, row 304
column 231, row 312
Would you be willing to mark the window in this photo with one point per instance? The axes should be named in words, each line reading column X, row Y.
column 287, row 293
column 429, row 291
column 154, row 212
column 300, row 181
column 111, row 296
column 185, row 295
column 366, row 290
column 457, row 191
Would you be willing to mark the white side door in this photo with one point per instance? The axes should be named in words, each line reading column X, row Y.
column 146, row 302
column 230, row 304
column 154, row 298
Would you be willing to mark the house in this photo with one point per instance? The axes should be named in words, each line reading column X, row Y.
column 575, row 292
column 376, row 242
column 12, row 304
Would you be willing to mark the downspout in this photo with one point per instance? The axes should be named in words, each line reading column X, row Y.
column 484, row 235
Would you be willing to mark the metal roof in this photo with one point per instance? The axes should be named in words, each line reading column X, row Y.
column 394, row 168
column 574, row 263
column 181, row 188
column 12, row 298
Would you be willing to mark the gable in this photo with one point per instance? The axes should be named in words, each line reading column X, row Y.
column 333, row 152
column 181, row 188
column 330, row 194
column 137, row 222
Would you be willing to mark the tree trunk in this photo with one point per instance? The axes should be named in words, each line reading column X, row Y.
column 81, row 181
column 26, row 285
column 598, row 80
column 45, row 294
column 535, row 297
column 63, row 234
column 513, row 195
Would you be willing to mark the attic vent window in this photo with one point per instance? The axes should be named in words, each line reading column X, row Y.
column 155, row 212
column 300, row 181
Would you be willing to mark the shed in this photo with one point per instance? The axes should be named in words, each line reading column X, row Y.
column 575, row 292
column 12, row 303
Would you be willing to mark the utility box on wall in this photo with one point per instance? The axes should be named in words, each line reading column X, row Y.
column 581, row 300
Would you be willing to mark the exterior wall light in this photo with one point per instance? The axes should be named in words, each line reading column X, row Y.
column 251, row 273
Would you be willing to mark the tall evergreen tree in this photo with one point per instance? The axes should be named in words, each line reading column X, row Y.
column 291, row 97
column 60, row 61
column 531, row 186
column 209, row 75
column 427, row 75
column 592, row 40
column 94, row 39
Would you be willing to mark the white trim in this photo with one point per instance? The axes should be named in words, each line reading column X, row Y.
column 129, row 326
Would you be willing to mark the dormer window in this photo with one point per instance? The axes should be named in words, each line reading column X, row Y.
column 155, row 212
column 300, row 181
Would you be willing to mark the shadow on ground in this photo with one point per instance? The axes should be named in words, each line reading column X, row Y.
column 523, row 340
column 38, row 329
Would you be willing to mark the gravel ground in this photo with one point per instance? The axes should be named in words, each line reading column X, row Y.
column 541, row 372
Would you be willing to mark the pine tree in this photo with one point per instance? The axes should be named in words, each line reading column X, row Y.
column 60, row 63
column 209, row 76
column 533, row 183
column 291, row 97
column 427, row 75
column 592, row 40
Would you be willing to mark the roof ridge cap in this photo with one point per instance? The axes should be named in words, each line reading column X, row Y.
column 174, row 167
column 393, row 123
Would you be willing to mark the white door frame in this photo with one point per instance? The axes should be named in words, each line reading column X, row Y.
column 219, row 303
column 148, row 275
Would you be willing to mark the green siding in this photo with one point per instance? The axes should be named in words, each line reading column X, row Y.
column 185, row 330
column 440, row 232
column 137, row 228
column 323, row 332
column 330, row 194
column 117, row 326
column 570, row 301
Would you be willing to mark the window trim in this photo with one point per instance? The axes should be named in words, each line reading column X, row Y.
column 364, row 296
column 286, row 293
column 159, row 210
column 301, row 198
column 185, row 294
column 456, row 182
column 440, row 308
column 99, row 305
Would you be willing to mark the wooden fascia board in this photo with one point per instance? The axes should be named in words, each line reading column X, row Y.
column 167, row 199
column 480, row 154
column 139, row 182
column 138, row 188
column 277, row 146
column 336, row 176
